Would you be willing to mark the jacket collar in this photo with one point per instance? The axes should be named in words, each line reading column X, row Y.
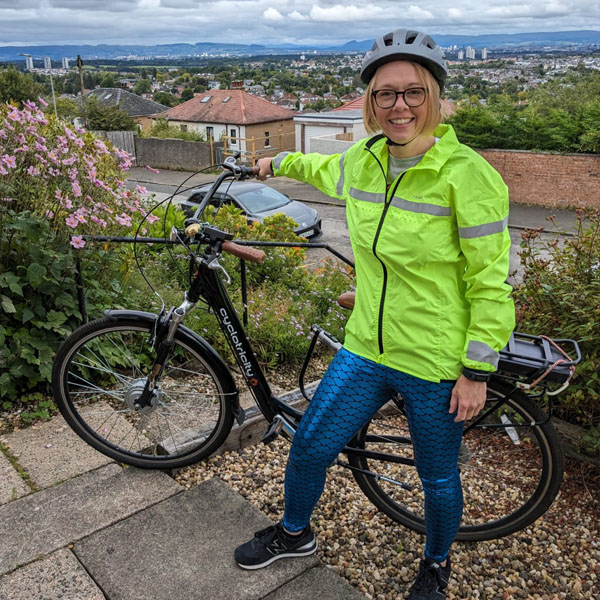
column 434, row 158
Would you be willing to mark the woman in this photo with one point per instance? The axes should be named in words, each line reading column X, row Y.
column 427, row 218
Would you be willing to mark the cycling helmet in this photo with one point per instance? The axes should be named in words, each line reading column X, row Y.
column 405, row 44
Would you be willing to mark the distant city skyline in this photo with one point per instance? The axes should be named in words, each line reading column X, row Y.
column 324, row 22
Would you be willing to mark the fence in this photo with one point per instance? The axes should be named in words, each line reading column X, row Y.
column 125, row 140
column 253, row 148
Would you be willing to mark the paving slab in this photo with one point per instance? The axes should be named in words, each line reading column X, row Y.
column 183, row 548
column 59, row 576
column 321, row 582
column 12, row 485
column 48, row 520
column 52, row 452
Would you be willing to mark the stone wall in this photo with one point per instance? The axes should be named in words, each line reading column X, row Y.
column 552, row 180
column 176, row 154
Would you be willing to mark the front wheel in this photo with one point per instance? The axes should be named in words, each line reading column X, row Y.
column 100, row 372
column 510, row 470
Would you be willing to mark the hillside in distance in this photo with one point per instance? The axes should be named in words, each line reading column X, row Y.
column 113, row 51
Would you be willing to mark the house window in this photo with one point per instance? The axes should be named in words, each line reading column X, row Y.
column 183, row 127
column 267, row 140
column 233, row 136
column 210, row 133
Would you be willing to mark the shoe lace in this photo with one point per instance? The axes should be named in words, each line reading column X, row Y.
column 266, row 532
column 429, row 578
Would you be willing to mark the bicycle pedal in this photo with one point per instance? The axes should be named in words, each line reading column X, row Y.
column 272, row 432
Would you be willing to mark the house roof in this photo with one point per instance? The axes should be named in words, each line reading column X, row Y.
column 132, row 104
column 352, row 105
column 235, row 107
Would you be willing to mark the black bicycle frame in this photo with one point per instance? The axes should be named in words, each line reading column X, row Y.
column 207, row 283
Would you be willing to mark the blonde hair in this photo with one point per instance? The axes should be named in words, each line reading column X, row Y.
column 433, row 115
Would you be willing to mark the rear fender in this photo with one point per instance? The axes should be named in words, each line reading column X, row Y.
column 213, row 358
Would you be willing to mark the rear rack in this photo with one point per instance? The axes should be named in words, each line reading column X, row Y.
column 529, row 359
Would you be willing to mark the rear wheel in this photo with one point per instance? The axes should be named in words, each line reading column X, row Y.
column 510, row 475
column 99, row 374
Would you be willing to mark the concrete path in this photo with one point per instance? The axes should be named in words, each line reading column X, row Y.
column 76, row 526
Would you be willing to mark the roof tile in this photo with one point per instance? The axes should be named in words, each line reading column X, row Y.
column 241, row 109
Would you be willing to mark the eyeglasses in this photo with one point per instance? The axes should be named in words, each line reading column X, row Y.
column 388, row 98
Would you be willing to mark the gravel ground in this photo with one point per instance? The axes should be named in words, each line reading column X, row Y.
column 557, row 557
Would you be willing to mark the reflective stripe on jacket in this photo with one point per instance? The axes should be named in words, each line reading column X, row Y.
column 431, row 253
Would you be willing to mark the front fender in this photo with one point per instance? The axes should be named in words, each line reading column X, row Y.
column 212, row 357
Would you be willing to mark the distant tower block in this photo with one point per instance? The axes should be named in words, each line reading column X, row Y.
column 47, row 63
column 65, row 63
column 29, row 63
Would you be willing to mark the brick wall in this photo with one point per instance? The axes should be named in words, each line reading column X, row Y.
column 552, row 180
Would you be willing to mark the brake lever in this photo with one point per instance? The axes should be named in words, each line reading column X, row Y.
column 215, row 265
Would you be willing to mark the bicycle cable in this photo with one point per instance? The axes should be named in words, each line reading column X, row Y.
column 169, row 200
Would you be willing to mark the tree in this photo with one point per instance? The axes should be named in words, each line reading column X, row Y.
column 143, row 86
column 105, row 118
column 165, row 98
column 187, row 94
column 17, row 87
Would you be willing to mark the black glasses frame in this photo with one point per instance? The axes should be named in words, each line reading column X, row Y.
column 404, row 97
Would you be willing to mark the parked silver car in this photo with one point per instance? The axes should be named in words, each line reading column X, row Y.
column 258, row 201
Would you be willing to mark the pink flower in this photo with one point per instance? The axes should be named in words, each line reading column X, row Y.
column 140, row 189
column 49, row 214
column 58, row 194
column 72, row 221
column 33, row 171
column 152, row 219
column 9, row 161
column 76, row 189
column 14, row 115
column 77, row 241
column 3, row 135
column 151, row 169
column 42, row 101
column 123, row 219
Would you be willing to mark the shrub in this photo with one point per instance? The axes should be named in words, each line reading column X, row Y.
column 56, row 183
column 560, row 297
column 284, row 297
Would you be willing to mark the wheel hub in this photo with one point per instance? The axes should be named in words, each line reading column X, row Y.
column 134, row 392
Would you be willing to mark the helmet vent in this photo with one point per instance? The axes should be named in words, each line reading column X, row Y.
column 388, row 39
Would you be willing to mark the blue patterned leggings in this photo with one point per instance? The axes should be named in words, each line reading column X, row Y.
column 352, row 390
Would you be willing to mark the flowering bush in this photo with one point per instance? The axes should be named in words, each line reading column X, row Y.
column 56, row 183
column 63, row 174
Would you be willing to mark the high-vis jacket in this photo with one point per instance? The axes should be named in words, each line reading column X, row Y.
column 431, row 253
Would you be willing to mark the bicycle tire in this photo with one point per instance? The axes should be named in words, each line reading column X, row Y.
column 98, row 372
column 497, row 470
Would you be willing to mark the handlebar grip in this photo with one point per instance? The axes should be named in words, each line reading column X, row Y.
column 245, row 252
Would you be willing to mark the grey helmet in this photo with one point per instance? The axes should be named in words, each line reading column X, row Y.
column 405, row 44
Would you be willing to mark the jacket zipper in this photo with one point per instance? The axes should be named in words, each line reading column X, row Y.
column 388, row 201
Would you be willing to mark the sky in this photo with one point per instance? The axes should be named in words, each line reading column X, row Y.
column 150, row 22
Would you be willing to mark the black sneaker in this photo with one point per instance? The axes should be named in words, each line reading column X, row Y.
column 431, row 581
column 274, row 543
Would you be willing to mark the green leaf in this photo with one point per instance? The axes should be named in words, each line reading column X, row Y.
column 35, row 274
column 7, row 304
column 28, row 314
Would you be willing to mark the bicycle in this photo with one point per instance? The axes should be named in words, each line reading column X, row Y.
column 145, row 390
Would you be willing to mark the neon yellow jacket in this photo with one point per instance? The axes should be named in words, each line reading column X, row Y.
column 431, row 253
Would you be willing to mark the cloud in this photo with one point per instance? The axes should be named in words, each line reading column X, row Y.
column 272, row 14
column 341, row 13
column 296, row 16
column 417, row 13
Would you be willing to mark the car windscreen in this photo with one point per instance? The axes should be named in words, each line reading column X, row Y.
column 261, row 199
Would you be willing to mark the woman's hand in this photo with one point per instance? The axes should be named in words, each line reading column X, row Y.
column 264, row 168
column 468, row 398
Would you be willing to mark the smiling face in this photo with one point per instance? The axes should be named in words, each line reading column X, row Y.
column 401, row 123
